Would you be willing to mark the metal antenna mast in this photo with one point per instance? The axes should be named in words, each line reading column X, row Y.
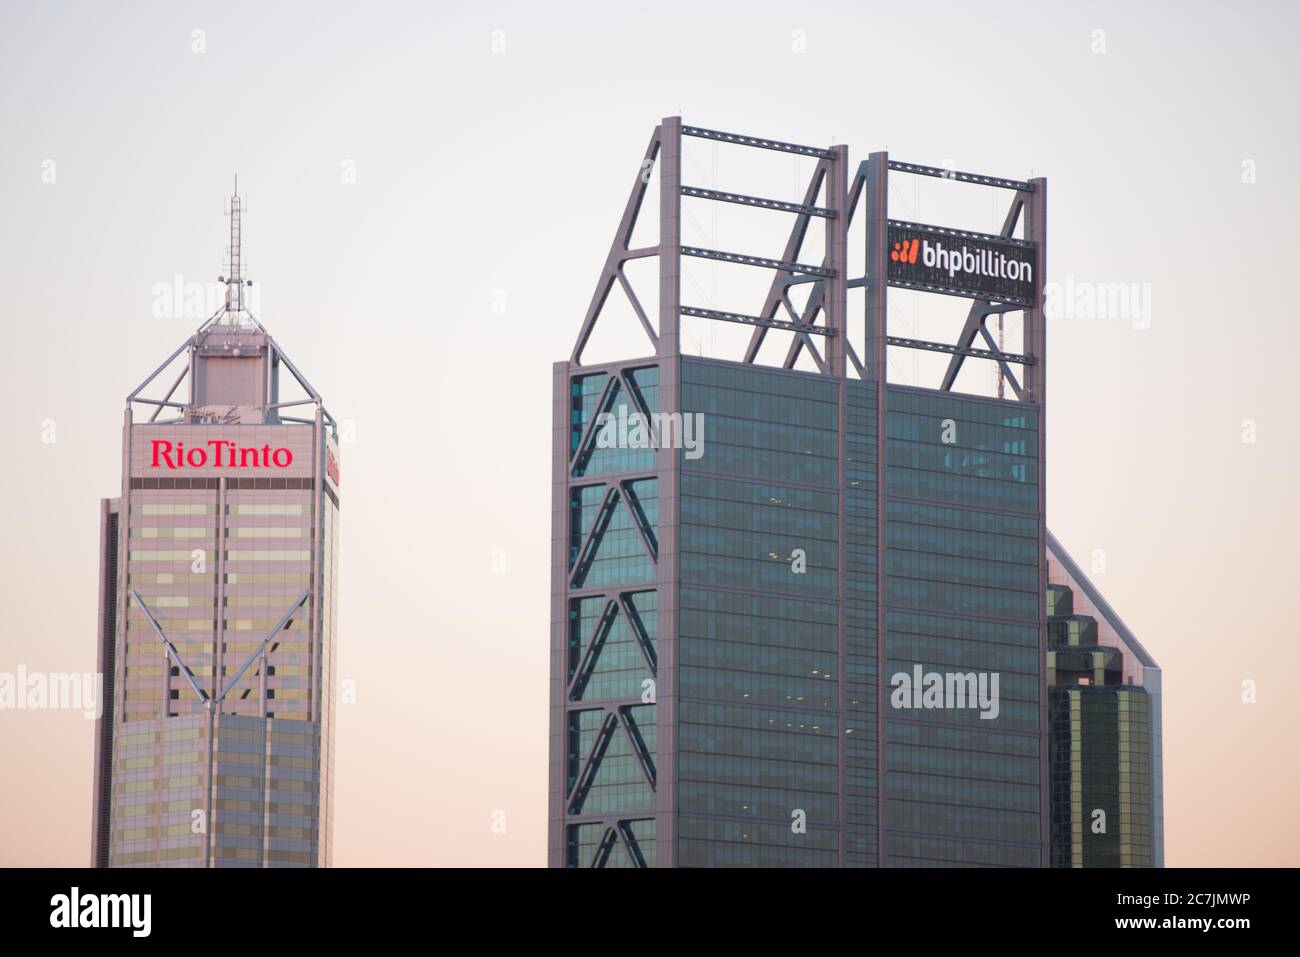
column 234, row 279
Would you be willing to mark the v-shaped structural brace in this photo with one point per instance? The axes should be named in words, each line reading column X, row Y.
column 171, row 649
column 262, row 645
column 184, row 669
column 614, row 720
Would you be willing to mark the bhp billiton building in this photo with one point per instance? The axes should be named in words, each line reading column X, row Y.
column 834, row 629
column 217, row 631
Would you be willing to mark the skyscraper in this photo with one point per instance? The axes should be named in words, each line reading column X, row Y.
column 217, row 631
column 798, row 614
column 1105, row 748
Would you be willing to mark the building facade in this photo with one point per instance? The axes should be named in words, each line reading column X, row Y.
column 218, row 625
column 743, row 594
column 1105, row 713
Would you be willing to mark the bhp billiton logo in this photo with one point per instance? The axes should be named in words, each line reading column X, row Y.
column 218, row 454
column 977, row 262
column 905, row 252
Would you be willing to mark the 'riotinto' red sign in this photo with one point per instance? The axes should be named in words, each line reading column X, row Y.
column 218, row 454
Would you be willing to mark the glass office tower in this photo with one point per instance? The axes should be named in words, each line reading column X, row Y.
column 1105, row 747
column 218, row 635
column 761, row 717
column 800, row 620
column 962, row 564
column 773, row 720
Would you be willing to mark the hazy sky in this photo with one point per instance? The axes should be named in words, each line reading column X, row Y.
column 431, row 194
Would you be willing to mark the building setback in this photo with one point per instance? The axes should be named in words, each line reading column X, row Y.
column 1105, row 714
column 217, row 633
column 729, row 614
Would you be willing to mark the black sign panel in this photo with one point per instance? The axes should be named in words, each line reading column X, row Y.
column 962, row 264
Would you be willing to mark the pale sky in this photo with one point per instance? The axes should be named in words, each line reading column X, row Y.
column 431, row 191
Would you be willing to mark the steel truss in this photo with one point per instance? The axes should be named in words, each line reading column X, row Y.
column 831, row 197
column 232, row 316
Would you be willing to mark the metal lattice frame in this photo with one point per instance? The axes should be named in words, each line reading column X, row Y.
column 618, row 496
column 840, row 203
column 232, row 315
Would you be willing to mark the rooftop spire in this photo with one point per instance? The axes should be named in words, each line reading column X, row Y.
column 234, row 278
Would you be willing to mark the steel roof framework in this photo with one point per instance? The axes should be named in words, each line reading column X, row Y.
column 823, row 314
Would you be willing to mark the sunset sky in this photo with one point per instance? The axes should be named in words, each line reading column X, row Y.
column 431, row 192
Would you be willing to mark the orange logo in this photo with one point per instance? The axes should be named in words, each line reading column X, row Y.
column 905, row 252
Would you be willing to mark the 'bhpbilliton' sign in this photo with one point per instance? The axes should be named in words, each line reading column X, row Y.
column 962, row 264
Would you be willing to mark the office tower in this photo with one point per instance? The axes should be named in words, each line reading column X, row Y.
column 1105, row 747
column 217, row 633
column 797, row 610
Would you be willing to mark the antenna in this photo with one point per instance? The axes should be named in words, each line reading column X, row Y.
column 234, row 279
column 234, row 311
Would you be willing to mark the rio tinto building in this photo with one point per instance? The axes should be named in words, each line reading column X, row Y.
column 217, row 595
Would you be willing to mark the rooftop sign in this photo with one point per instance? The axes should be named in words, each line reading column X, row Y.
column 974, row 265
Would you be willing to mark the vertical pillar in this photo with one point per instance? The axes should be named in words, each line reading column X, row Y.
column 105, row 728
column 836, row 299
column 1151, row 681
column 123, row 612
column 1035, row 327
column 667, row 468
column 837, row 246
column 559, row 610
column 264, row 852
column 213, row 708
column 313, row 612
column 876, row 197
column 670, row 237
column 1036, row 393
